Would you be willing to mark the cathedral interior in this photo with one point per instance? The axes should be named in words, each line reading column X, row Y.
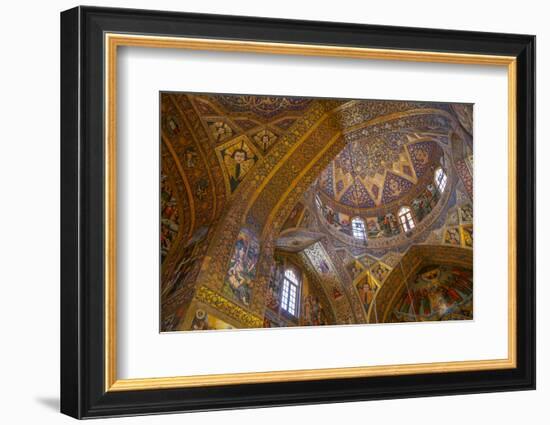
column 294, row 211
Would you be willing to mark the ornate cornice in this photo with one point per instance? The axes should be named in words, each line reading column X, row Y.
column 212, row 298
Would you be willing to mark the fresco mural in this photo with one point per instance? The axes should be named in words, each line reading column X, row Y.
column 388, row 225
column 425, row 203
column 169, row 223
column 468, row 236
column 355, row 268
column 379, row 271
column 275, row 285
column 338, row 221
column 242, row 267
column 283, row 211
column 436, row 293
column 385, row 225
column 238, row 158
column 294, row 217
column 179, row 284
column 366, row 291
column 202, row 321
column 452, row 236
column 313, row 314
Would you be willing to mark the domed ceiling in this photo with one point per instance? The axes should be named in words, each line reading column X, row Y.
column 378, row 173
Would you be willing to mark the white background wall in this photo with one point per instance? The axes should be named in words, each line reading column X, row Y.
column 29, row 216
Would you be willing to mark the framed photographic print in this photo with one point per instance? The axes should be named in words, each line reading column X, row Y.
column 261, row 212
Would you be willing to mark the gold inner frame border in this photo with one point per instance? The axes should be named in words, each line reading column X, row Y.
column 113, row 40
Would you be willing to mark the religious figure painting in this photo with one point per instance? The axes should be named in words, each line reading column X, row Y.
column 238, row 159
column 242, row 268
column 436, row 293
column 288, row 211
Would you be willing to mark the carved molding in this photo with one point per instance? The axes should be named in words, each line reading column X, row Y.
column 212, row 298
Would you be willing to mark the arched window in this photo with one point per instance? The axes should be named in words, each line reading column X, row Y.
column 318, row 202
column 406, row 219
column 440, row 179
column 358, row 228
column 290, row 293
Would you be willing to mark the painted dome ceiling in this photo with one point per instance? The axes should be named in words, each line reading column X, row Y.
column 378, row 173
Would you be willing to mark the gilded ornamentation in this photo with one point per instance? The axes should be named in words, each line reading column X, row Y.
column 242, row 268
column 238, row 158
column 220, row 131
column 328, row 277
column 466, row 177
column 380, row 271
column 169, row 226
column 378, row 171
column 264, row 139
column 263, row 106
column 212, row 298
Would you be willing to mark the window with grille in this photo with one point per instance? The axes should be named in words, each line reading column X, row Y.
column 318, row 202
column 358, row 228
column 440, row 179
column 406, row 219
column 290, row 293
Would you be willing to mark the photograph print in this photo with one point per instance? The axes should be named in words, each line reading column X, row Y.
column 281, row 211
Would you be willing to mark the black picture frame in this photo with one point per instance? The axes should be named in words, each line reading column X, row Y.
column 83, row 392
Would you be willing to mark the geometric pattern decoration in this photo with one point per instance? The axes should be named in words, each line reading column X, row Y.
column 394, row 187
column 373, row 173
column 285, row 123
column 263, row 106
column 420, row 154
column 204, row 108
column 356, row 194
column 245, row 123
column 220, row 131
column 466, row 176
column 238, row 156
column 264, row 139
column 458, row 229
